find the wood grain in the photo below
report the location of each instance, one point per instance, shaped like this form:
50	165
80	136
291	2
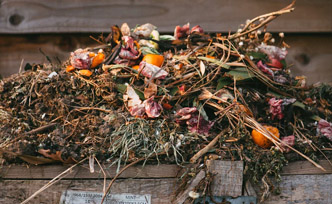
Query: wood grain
305	167
15	191
83	172
304	189
228	177
34	16
149	171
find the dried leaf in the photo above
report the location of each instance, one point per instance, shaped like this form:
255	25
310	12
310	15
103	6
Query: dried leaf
151	90
215	61
202	67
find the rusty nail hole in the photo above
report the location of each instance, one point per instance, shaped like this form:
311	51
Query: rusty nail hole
302	59
15	19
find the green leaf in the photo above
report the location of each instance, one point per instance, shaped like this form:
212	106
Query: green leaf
140	94
215	61
149	50
240	73
257	55
224	81
121	88
299	104
316	117
166	37
173	91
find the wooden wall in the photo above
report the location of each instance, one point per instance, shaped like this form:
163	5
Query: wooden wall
58	27
301	183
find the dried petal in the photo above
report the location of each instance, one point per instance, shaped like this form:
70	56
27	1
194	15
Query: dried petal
195	122
80	59
275	108
144	30
137	110
152	108
265	69
125	30
275	63
289	140
151	90
324	127
150	70
181	32
132	97
197	29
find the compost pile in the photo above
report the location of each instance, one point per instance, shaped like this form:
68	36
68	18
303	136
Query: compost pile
179	98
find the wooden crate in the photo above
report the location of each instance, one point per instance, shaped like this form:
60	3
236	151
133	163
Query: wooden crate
301	183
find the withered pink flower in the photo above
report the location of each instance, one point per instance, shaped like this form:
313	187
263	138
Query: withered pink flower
265	69
324	127
80	59
289	140
152	108
181	32
129	51
150	70
275	63
137	110
195	122
275	108
197	29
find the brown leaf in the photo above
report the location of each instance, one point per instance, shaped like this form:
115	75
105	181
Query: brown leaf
151	90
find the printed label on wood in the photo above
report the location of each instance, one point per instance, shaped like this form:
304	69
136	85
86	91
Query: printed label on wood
73	197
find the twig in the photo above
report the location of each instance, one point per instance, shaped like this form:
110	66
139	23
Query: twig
101	168
41	129
184	195
207	147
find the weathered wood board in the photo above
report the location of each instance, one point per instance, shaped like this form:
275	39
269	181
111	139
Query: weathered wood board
34	16
228	177
309	55
83	172
15	191
301	183
304	189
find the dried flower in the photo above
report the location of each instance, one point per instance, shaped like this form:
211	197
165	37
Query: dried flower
324	128
152	108
289	140
150	70
195	122
181	32
80	59
197	29
275	108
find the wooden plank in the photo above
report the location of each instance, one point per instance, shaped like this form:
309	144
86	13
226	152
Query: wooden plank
34	16
304	189
149	171
228	177
305	167
15	191
309	55
14	48
83	172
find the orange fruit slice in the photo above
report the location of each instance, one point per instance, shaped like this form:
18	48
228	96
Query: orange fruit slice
261	140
